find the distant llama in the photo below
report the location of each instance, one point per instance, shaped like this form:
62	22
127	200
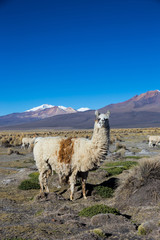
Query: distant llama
70	156
154	141
27	142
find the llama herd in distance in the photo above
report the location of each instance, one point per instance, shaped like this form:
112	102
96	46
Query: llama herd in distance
72	157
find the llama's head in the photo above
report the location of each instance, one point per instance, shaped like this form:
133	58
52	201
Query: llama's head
102	119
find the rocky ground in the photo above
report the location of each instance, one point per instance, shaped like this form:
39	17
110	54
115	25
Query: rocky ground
24	216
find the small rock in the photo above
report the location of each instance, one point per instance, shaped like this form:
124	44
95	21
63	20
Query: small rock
8	181
99	219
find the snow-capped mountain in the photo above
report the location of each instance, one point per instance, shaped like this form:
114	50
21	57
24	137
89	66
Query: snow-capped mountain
44	106
68	109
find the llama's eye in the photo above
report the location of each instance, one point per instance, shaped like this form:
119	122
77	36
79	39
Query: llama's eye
99	119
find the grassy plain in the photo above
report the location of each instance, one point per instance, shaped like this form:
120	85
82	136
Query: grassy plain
23	216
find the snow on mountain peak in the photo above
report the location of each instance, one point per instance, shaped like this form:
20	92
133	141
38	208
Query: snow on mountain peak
83	109
62	107
68	109
43	106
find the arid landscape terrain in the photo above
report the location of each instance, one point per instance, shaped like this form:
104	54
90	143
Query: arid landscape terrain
122	202
79	120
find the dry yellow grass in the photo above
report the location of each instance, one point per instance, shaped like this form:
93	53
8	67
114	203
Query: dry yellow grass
14	138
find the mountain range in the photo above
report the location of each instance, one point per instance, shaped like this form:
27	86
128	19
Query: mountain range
36	113
140	111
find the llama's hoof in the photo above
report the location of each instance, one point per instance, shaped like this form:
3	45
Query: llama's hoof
71	198
85	197
42	196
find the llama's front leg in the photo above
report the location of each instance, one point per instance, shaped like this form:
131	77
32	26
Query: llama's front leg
72	181
84	188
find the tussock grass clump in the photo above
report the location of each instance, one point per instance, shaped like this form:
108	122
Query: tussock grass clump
32	183
10	151
141	186
97	209
5	142
118	138
112	140
121	152
104	192
119	146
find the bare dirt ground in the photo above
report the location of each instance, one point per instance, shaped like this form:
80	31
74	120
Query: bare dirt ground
23	216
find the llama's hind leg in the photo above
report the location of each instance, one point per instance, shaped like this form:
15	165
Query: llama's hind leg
43	180
41	183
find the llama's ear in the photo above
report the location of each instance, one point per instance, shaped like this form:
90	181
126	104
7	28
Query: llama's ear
107	114
97	113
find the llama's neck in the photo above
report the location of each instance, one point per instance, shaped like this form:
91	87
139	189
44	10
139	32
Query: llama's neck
97	149
100	138
100	144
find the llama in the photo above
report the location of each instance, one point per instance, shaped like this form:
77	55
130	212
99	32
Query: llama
27	142
154	141
70	157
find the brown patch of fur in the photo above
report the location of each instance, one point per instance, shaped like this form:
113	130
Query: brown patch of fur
66	150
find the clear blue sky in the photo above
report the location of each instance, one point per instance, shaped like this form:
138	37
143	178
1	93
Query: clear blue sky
78	53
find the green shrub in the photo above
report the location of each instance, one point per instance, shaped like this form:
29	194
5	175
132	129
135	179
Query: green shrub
97	209
99	232
104	192
121	163
28	184
115	168
32	183
142	230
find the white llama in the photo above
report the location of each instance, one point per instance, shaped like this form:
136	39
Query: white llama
71	156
